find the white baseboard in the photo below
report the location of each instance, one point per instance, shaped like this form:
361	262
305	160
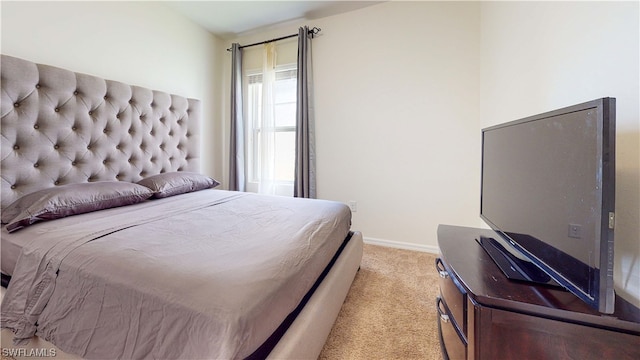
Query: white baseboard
402	245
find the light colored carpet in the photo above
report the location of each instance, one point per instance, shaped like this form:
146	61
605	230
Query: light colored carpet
390	310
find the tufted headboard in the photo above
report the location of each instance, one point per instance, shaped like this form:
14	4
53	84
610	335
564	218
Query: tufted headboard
60	127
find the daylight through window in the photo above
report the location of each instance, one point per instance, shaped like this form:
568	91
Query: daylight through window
285	127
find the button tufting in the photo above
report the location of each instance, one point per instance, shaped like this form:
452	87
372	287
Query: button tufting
125	142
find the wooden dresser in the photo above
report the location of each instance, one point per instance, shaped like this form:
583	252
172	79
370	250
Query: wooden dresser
483	315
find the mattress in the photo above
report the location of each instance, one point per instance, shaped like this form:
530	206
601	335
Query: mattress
10	247
209	274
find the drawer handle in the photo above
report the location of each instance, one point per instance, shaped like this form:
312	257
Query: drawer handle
440	268
443	316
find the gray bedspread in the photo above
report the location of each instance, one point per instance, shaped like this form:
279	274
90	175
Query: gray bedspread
208	275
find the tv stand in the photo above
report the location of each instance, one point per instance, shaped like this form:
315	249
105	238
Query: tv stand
484	315
513	266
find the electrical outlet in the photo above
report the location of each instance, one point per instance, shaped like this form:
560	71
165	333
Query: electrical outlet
575	231
353	205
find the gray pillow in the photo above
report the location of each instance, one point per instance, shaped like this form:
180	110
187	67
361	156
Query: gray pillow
65	200
175	183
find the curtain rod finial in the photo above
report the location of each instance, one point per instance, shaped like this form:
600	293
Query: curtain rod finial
314	31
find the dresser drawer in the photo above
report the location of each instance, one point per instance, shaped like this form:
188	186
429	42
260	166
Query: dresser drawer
453	345
454	296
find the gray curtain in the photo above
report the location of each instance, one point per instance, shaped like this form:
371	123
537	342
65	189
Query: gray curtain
305	169
236	147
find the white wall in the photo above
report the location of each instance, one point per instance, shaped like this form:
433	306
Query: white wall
540	56
139	43
396	96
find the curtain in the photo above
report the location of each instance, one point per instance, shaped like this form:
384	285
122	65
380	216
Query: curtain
305	168
236	146
267	137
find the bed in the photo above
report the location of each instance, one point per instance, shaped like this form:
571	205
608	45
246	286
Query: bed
115	246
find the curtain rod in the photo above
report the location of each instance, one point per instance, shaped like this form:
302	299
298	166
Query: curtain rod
313	31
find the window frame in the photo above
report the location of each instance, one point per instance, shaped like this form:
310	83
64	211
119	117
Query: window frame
283	187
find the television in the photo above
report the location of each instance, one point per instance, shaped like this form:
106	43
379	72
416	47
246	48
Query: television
548	192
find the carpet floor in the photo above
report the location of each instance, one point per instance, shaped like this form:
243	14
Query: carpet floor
390	310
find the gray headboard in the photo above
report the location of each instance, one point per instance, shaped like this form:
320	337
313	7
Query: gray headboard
61	127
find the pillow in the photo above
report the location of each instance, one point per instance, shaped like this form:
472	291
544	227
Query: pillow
60	201
175	183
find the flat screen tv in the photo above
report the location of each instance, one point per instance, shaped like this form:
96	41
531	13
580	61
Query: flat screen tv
548	192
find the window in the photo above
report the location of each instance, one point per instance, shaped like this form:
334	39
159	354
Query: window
285	128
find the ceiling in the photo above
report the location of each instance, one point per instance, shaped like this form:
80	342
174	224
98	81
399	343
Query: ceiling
228	19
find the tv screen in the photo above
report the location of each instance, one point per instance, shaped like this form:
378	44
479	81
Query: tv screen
548	189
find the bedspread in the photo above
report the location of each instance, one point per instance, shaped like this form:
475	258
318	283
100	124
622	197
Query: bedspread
209	274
